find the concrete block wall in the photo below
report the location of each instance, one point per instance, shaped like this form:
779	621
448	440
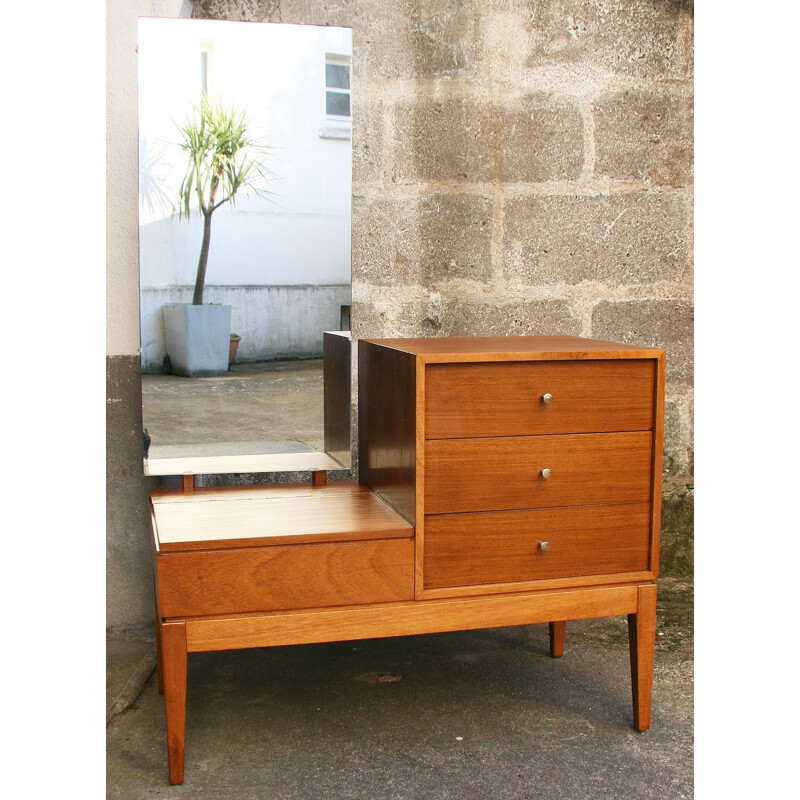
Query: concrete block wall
519	167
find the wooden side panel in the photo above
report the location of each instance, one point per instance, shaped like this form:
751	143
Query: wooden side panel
419	489
505	398
251	579
387	425
336	395
658	462
503	546
506	473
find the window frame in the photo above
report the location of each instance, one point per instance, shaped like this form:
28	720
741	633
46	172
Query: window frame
339	60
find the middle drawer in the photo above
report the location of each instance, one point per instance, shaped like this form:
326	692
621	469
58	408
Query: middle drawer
493	474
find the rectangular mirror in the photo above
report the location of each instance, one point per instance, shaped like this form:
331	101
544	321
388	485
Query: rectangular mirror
244	242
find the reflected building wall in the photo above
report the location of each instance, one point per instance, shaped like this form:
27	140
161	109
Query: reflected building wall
282	261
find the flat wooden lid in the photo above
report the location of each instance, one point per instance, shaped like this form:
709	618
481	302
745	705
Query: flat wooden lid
249	516
460	348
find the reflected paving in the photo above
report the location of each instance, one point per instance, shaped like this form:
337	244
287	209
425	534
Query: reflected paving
264	407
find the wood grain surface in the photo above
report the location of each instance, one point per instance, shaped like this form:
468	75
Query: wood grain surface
506	472
387	425
657	468
518	348
557	632
406	619
251	579
505	398
174	655
272	515
642	633
503	546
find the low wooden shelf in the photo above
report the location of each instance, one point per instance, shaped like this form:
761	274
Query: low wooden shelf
454	524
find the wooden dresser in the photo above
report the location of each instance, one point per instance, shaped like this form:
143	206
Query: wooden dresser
523	463
503	481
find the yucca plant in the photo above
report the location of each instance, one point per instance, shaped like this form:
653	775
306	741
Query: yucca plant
223	159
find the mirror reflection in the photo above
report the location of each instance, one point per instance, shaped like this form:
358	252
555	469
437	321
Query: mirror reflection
244	231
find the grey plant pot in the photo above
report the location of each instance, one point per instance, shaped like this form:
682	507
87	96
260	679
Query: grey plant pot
197	339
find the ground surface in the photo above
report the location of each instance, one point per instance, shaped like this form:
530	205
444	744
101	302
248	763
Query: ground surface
481	714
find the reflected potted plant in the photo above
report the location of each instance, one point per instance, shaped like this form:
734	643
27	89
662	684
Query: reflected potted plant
234	346
223	159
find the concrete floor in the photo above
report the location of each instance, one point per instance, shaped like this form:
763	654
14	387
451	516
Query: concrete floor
266	407
481	714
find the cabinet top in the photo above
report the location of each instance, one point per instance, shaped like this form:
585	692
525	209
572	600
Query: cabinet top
526	347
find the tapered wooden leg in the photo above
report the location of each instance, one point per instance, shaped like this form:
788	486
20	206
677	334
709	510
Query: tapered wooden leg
557	634
159	652
642	640
173	638
319	477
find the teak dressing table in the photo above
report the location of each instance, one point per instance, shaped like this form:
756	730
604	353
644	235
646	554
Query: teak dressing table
502	481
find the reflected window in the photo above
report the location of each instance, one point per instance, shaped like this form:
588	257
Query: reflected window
206	67
204	71
337	87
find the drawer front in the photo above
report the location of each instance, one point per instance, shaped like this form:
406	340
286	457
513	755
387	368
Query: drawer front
285	577
501	547
507	473
505	398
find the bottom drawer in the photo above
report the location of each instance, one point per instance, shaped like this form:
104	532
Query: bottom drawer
239	580
503	546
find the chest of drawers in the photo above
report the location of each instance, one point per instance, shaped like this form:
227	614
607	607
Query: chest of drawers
524	463
502	481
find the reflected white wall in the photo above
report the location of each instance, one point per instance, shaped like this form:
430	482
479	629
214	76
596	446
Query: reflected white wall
301	235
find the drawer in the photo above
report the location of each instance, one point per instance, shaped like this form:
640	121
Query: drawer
501	547
506	473
240	580
505	398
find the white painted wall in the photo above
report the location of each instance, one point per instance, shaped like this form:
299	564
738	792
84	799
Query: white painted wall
258	315
301	235
122	247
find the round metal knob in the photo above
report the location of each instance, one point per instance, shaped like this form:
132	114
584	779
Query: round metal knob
545	473
544	546
547	398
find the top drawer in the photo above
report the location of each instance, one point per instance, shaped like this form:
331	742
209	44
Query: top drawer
505	398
